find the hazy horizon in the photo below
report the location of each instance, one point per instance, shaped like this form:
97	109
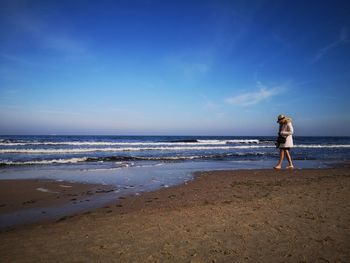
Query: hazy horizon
158	135
211	68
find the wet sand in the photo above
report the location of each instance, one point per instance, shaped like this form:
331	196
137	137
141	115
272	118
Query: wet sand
28	201
221	216
16	195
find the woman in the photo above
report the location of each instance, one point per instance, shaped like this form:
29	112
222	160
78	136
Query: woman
285	141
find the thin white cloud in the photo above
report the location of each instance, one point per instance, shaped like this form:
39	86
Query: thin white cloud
49	36
64	44
211	105
343	38
208	104
16	59
192	69
191	65
251	98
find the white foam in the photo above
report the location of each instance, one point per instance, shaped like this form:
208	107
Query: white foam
46	190
228	141
65	186
124	164
71	160
322	146
102	169
88	143
125	149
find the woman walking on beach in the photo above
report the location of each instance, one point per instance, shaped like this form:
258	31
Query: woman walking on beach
285	140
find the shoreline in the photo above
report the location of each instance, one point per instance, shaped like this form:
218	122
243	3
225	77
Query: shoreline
244	215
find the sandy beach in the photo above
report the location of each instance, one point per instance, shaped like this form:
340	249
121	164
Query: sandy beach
220	216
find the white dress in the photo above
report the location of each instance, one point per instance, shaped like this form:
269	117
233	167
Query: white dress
287	132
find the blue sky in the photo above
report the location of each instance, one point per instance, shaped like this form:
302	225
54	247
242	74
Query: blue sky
174	67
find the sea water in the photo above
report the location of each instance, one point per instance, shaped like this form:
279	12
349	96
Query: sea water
153	161
134	164
126	150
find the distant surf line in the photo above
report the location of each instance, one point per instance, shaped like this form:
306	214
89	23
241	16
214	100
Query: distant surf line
128	149
176	148
106	143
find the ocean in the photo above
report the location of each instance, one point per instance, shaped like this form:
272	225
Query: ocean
129	151
136	164
171	159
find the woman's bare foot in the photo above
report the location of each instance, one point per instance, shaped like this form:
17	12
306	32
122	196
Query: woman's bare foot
277	167
290	167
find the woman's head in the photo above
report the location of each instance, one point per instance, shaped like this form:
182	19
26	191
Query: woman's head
281	119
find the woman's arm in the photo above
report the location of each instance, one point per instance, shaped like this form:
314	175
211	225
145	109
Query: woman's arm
289	130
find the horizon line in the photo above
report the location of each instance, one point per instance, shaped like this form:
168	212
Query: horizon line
124	135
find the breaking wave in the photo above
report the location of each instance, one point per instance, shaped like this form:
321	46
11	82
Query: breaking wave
105	143
53	161
123	159
165	148
129	149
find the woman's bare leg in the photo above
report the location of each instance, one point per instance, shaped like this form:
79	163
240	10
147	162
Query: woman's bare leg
289	158
279	165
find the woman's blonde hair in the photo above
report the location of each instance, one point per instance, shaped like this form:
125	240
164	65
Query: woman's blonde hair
286	120
283	119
